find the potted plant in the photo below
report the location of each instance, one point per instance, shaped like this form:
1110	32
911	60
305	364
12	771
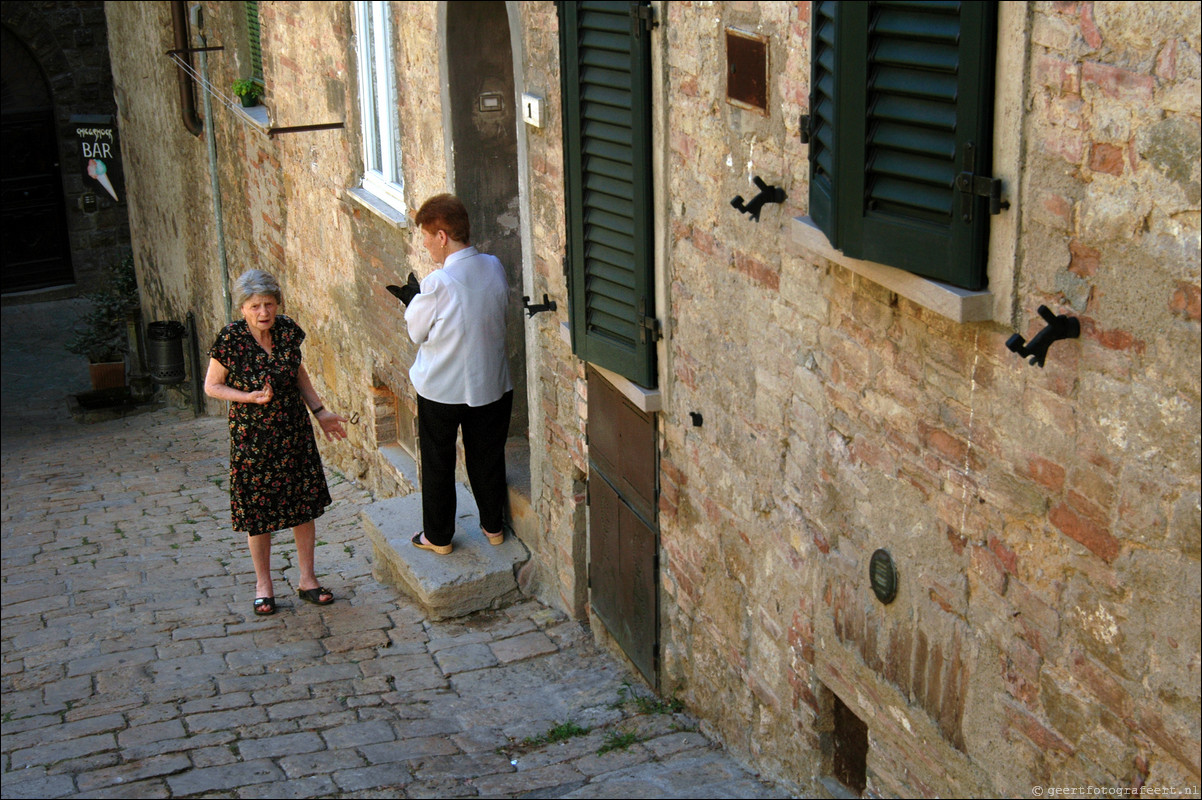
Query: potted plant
249	91
102	334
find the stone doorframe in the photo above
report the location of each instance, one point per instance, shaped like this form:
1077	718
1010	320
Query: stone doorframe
524	463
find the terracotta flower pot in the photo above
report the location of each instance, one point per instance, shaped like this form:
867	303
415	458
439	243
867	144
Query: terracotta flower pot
109	375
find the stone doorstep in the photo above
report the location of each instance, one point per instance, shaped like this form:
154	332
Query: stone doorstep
475	576
517	474
522	520
117	410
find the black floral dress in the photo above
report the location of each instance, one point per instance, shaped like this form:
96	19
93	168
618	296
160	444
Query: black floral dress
276	478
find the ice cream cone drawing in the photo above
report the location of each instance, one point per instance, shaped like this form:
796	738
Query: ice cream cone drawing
97	170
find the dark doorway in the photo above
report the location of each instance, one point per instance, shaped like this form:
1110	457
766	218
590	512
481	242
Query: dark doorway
484	133
35	250
850	756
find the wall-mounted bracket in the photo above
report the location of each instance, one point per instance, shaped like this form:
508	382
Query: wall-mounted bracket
768	194
546	305
648	324
324	126
642	18
972	186
181	50
1058	327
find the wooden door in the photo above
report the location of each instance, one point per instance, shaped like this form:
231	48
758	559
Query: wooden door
623	527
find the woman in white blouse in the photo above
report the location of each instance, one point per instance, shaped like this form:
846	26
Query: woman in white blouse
461	374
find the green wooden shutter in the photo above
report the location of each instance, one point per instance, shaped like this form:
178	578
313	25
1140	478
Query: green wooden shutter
823	102
606	99
252	36
914	96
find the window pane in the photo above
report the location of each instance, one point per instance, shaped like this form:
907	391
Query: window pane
377	98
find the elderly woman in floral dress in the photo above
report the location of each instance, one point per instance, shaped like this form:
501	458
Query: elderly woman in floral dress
276	477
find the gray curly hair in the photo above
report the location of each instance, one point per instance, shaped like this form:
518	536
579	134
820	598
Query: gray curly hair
253	282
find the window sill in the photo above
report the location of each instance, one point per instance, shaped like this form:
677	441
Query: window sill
649	401
378	207
958	305
255	115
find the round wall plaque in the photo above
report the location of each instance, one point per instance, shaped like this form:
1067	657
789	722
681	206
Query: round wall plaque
882	574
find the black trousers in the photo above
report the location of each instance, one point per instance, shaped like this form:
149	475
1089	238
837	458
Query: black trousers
485	429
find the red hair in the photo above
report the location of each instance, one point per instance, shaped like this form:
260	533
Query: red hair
445	212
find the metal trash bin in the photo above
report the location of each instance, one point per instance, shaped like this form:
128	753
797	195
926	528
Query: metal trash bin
166	351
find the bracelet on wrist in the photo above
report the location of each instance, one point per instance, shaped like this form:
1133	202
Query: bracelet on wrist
318	410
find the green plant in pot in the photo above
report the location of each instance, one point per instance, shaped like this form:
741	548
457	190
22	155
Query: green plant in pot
102	334
249	91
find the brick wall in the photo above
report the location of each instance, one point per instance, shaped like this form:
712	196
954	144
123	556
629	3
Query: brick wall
1038	517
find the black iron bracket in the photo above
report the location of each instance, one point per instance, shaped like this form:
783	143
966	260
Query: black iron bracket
642	18
182	50
1058	327
768	194
972	186
546	305
648	325
271	132
325	126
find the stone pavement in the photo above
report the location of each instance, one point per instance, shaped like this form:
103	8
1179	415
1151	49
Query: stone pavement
133	666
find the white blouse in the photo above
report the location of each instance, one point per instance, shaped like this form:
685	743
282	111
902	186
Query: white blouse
458	323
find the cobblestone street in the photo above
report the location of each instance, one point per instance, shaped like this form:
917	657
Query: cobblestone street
133	666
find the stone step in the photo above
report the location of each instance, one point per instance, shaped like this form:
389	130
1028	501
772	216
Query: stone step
517	474
475	576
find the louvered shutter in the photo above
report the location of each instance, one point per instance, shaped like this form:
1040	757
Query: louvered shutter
913	96
252	37
823	103
606	98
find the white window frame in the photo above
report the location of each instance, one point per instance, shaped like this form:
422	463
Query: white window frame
382	176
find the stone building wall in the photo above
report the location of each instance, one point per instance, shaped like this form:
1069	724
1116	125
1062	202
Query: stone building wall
166	173
558	454
1037	516
1045	522
285	206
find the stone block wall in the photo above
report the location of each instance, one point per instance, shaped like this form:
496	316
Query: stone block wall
1037	516
285	203
559	464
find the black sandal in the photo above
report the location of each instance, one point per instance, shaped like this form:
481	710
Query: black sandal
314	596
264	606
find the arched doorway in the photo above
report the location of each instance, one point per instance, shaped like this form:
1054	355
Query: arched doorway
36	250
485	158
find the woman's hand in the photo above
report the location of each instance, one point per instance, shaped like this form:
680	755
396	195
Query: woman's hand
215	387
262	396
331	424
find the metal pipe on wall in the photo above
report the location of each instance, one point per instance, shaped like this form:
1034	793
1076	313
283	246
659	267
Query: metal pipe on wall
187	96
197	14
